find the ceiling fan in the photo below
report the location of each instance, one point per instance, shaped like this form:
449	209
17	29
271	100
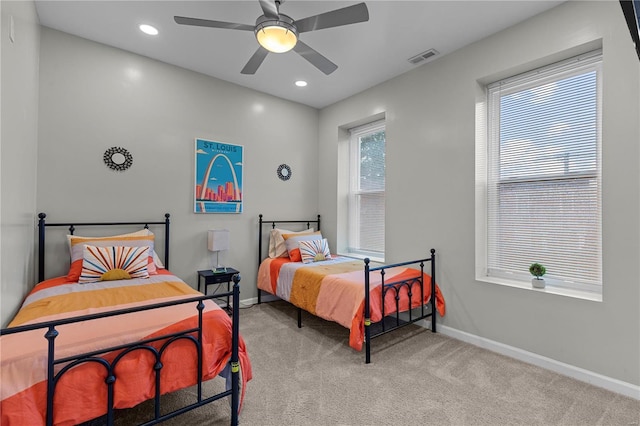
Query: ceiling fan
278	33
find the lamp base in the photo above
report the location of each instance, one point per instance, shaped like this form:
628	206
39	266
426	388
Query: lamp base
219	269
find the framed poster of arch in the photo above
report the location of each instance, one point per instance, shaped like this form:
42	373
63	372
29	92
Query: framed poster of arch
218	177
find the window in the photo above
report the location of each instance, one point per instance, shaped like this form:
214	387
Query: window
543	178
366	190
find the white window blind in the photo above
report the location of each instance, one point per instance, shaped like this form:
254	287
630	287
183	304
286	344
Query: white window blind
544	179
367	190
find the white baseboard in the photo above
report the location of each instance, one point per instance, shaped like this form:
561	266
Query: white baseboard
266	297
596	379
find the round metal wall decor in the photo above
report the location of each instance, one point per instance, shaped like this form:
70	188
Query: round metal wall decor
284	172
118	159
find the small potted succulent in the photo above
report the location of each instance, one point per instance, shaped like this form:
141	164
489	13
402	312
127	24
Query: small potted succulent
537	270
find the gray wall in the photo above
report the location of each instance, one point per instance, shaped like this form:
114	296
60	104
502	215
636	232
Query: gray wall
93	97
18	153
431	187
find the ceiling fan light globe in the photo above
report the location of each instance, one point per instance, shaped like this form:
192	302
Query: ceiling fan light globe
276	35
276	39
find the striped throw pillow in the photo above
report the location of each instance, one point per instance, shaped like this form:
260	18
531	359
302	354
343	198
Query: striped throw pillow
113	263
314	250
134	239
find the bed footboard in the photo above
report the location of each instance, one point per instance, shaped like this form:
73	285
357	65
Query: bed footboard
393	289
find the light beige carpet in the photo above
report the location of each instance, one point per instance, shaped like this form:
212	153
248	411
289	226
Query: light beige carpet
310	376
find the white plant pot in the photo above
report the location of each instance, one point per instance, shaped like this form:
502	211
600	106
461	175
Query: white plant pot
537	282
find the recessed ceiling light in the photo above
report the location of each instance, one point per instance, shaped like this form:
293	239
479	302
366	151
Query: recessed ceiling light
148	29
301	83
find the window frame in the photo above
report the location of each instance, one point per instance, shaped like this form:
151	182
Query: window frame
354	191
488	140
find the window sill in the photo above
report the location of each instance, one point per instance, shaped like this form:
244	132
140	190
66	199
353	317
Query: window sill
558	291
362	257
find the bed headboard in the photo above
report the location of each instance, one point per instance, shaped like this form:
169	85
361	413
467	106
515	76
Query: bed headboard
272	224
42	225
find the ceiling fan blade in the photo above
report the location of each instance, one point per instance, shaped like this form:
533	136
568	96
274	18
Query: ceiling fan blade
335	18
269	8
182	20
255	61
316	59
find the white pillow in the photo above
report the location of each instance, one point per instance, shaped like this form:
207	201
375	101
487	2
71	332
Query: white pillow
291	241
142	232
277	247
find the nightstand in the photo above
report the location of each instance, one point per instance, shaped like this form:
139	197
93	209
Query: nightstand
217	279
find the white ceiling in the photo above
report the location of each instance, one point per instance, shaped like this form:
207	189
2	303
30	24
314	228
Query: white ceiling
366	53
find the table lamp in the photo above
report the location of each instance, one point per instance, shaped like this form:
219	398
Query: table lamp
218	240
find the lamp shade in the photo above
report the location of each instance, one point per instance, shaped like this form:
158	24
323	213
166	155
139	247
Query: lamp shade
218	239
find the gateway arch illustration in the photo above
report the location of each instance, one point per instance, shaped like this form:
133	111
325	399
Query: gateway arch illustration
218	177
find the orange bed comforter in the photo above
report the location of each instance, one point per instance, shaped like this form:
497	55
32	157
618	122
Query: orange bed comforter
334	290
81	392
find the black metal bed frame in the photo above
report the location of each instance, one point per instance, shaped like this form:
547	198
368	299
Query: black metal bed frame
193	335
388	323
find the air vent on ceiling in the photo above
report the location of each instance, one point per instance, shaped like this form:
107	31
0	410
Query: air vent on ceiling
423	56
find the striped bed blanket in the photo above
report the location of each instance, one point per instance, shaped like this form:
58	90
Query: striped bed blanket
334	290
81	392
